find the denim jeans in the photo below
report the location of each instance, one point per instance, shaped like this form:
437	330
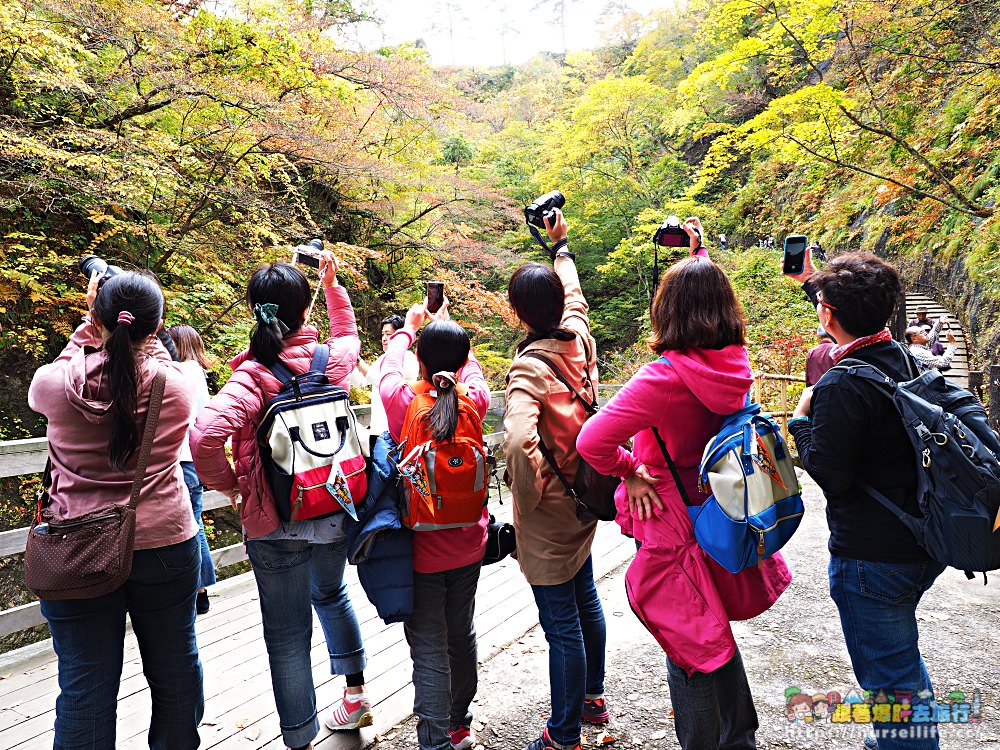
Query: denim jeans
878	604
197	491
88	636
290	575
442	638
573	620
713	711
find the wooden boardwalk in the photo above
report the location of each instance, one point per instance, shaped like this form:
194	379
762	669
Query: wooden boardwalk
239	707
959	370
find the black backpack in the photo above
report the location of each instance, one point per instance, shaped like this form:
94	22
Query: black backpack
958	472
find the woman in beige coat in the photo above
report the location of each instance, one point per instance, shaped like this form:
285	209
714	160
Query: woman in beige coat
553	546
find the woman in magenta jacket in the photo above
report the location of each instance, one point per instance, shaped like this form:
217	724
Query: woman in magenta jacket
295	563
682	596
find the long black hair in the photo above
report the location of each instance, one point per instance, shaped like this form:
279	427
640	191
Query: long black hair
130	307
536	293
282	285
443	347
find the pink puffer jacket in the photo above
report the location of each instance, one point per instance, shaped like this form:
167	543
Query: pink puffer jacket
235	412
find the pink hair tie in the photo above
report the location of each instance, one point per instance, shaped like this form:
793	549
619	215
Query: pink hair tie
125	318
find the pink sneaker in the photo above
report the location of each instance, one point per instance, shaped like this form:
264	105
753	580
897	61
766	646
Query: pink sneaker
353	712
595	711
462	738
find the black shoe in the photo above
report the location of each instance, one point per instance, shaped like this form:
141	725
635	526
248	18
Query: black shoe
201	604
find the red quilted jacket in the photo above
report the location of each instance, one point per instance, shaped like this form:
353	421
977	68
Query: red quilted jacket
237	408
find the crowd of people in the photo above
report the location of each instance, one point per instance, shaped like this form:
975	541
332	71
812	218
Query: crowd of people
97	394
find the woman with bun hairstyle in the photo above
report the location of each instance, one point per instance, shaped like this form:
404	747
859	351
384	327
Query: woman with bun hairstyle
298	565
194	362
95	397
553	545
683	597
446	562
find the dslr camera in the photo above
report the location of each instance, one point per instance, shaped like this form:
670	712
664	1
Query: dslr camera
308	254
542	208
671	234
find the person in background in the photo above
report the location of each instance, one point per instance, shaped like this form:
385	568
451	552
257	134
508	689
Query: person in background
371	374
928	326
96	396
298	565
446	562
848	433
723	242
553	546
683	597
194	362
921	346
818	359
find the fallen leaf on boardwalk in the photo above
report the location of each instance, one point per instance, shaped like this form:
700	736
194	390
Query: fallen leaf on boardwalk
207	724
252	733
241	724
605	739
5	676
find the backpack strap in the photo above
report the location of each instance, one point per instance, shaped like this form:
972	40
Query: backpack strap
320	358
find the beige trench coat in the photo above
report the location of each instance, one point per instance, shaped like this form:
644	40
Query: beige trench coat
552	544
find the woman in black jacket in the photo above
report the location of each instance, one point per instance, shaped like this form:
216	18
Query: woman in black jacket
848	432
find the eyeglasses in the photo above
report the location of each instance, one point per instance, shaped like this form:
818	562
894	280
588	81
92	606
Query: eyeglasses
824	303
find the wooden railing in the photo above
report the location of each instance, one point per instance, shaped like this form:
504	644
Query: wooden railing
786	408
986	385
18	457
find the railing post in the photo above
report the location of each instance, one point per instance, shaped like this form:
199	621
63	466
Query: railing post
784	409
994	372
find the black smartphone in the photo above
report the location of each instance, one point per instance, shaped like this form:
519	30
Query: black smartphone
795	254
435	296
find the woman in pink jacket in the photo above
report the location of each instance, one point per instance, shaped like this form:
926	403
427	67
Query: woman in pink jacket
682	596
95	397
446	562
295	563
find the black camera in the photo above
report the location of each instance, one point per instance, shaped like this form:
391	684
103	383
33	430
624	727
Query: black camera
91	263
671	234
543	207
309	253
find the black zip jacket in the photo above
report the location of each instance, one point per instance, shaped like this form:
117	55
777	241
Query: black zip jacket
855	433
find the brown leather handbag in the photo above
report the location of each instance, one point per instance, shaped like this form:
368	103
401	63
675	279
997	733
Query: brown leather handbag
89	555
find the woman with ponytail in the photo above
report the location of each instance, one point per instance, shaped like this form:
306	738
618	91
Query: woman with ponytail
553	545
446	562
298	565
96	396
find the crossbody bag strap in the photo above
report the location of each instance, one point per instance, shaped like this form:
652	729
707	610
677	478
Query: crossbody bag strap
673	467
152	417
589	405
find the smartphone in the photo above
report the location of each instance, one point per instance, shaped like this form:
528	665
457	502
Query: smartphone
435	296
795	253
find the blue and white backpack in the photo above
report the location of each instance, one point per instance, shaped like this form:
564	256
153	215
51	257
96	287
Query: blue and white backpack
756	500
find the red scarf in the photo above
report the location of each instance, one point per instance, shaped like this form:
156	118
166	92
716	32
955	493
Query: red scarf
839	352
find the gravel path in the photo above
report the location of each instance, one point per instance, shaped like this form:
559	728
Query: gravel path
797	643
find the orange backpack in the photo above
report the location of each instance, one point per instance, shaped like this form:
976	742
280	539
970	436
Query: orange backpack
446	482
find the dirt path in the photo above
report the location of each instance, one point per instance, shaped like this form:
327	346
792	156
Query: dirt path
797	643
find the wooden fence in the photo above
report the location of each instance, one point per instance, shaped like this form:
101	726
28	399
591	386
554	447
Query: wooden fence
986	385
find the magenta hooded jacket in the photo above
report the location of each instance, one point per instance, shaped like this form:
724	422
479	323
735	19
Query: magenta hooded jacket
236	410
683	597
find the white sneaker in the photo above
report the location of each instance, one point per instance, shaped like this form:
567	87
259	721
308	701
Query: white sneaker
353	712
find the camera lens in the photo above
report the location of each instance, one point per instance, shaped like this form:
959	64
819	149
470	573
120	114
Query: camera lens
318	244
91	263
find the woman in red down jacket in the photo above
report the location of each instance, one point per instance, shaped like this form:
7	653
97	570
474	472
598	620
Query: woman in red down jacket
295	563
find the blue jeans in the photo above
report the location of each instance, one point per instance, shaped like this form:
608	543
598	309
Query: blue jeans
292	574
442	639
878	603
197	491
88	636
573	620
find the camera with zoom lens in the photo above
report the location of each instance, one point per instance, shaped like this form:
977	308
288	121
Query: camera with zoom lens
91	263
671	234
309	253
543	208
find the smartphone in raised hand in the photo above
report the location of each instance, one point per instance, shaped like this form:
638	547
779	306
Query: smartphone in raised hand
435	296
795	254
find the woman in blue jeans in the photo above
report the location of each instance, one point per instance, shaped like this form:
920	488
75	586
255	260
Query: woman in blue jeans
96	396
848	433
298	565
195	362
553	545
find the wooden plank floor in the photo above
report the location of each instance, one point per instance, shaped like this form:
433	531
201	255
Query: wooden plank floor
239	707
959	370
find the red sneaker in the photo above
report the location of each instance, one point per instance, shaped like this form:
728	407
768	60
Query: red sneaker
462	738
595	711
547	743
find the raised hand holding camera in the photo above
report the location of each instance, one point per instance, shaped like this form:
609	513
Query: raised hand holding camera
544	213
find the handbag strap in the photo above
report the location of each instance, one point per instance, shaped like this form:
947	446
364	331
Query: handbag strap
673	468
152	417
590	405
